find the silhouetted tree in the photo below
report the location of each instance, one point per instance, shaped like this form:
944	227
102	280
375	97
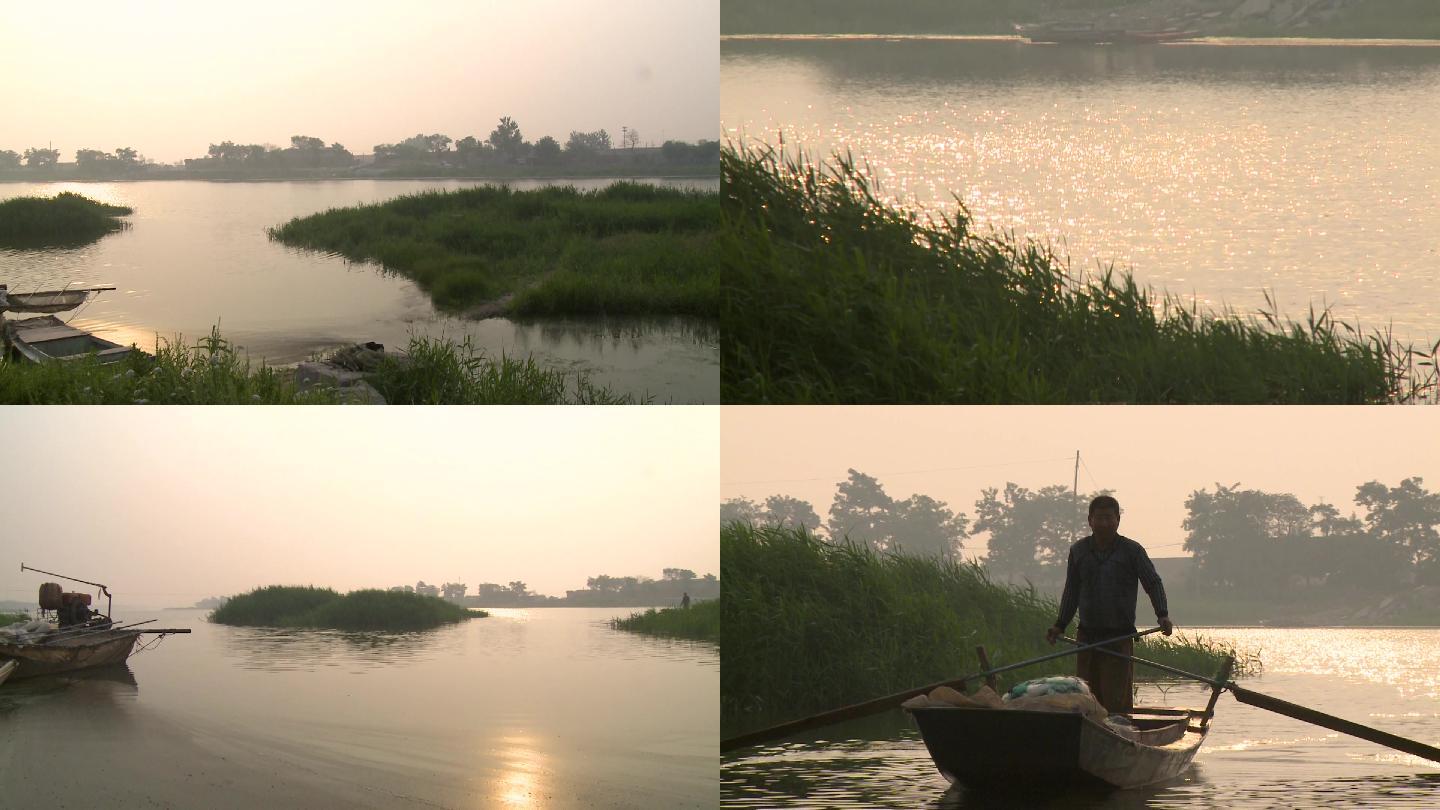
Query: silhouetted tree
925	526
506	138
37	158
9	159
1239	536
547	150
860	511
677	574
587	143
1030	531
742	510
1406	517
783	510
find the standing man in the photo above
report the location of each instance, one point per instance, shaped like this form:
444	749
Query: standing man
1100	580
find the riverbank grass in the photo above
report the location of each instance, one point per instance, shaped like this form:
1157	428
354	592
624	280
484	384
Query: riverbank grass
65	220
831	295
811	626
292	606
699	621
214	372
627	249
11	618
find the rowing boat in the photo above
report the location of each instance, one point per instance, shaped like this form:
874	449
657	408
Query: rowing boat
987	748
46	301
47	338
66	653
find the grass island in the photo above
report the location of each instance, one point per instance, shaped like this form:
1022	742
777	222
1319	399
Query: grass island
308	606
700	621
65	220
627	249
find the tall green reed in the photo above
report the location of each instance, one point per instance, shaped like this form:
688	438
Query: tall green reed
831	294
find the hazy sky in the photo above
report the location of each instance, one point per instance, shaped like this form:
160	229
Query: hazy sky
1152	457
169	78
170	505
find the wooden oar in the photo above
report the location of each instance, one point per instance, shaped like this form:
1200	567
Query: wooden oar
1298	712
891	701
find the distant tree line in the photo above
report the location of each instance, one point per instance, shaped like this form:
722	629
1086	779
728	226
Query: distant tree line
505	148
600	590
1242	541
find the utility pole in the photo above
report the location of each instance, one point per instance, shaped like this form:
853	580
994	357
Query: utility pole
1075	492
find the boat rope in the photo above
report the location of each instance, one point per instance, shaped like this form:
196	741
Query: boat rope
147	645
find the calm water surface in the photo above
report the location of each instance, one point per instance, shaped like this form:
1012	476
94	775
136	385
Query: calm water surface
197	255
1385	678
527	708
1216	171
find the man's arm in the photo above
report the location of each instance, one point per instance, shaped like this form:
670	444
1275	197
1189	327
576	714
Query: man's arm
1069	600
1155	589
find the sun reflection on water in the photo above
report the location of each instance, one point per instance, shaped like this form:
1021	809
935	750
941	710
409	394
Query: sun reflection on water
518	778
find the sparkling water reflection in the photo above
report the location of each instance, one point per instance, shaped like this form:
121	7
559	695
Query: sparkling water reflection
1212	170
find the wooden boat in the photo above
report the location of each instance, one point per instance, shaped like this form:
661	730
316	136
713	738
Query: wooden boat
988	748
47	338
6	668
46	301
1088	34
82	650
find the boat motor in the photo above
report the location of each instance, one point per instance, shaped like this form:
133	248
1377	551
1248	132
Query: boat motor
70	608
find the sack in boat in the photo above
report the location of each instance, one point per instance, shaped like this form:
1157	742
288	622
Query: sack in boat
946	697
1054	685
1073	702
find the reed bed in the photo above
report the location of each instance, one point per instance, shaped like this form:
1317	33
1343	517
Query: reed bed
699	621
65	220
832	295
811	625
214	372
295	606
627	249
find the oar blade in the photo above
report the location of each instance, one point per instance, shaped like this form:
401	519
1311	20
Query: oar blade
1330	721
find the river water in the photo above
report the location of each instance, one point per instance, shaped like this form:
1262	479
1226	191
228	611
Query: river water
1216	171
1387	678
198	255
526	708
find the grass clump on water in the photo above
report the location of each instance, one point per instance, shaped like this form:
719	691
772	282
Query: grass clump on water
65	220
831	295
699	621
627	249
11	618
294	606
811	626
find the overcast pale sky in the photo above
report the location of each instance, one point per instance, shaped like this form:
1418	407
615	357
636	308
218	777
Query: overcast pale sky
171	77
1152	457
170	505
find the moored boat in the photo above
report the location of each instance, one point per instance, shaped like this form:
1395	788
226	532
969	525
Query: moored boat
68	635
46	339
46	301
987	748
91	648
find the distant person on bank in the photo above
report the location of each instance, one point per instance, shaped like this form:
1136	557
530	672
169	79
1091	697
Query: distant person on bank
685	600
1100	580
